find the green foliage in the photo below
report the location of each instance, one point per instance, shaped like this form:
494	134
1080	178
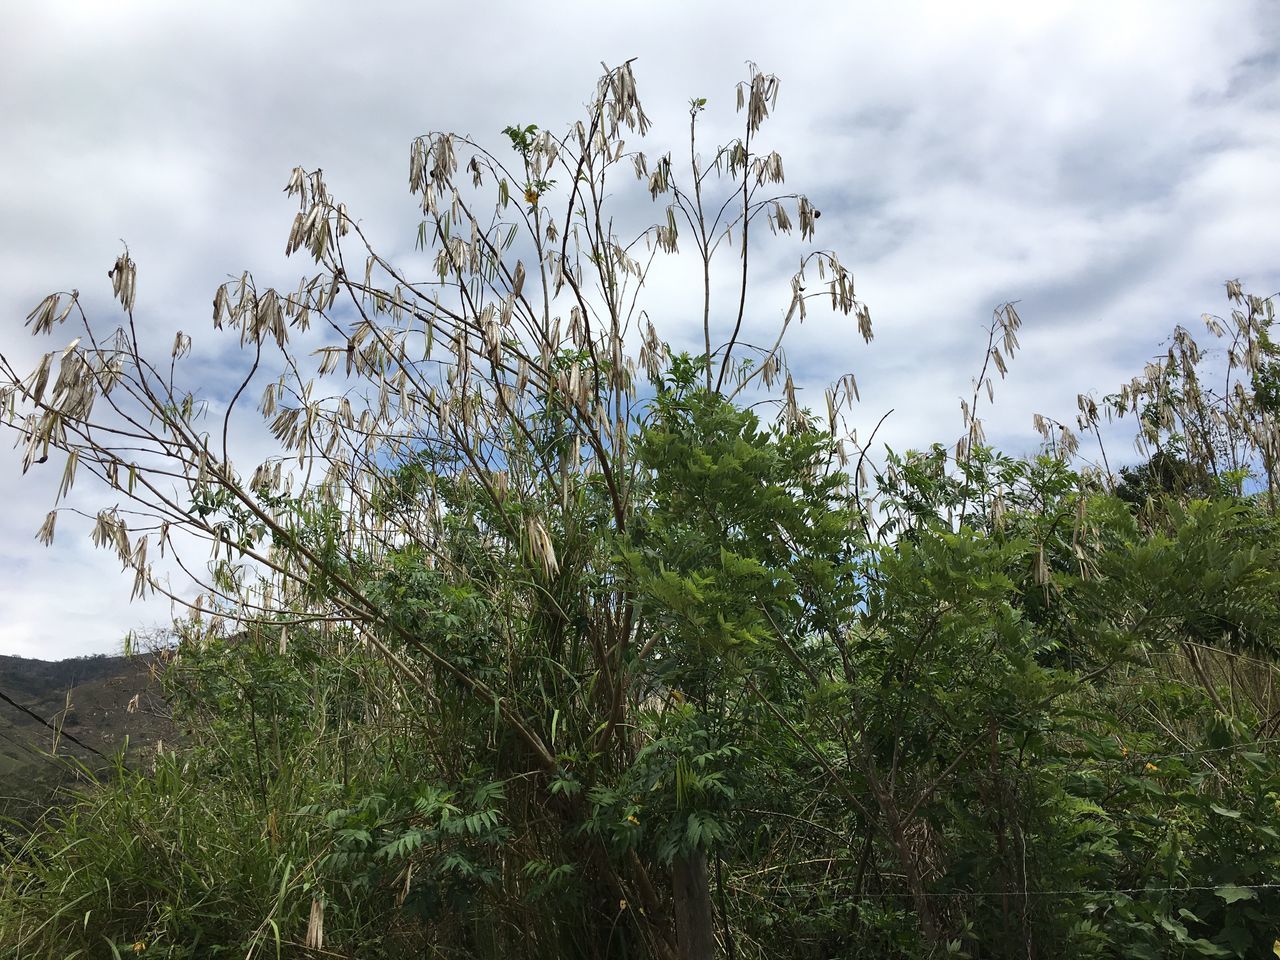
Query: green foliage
1028	728
170	858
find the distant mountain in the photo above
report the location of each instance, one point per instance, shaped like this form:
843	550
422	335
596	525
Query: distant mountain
58	715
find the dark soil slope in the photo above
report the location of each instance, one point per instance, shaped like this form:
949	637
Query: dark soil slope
57	716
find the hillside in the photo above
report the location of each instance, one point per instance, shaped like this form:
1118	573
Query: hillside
58	715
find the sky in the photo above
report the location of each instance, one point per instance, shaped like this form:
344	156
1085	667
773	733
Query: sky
1108	166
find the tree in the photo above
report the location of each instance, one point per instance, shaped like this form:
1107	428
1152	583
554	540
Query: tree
457	500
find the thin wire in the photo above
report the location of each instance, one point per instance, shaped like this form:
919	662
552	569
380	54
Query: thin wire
56	729
1091	893
1135	754
1055	893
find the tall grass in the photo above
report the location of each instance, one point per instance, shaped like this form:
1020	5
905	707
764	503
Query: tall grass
157	863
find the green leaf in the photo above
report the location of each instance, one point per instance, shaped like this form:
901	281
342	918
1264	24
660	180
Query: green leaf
1231	893
1208	949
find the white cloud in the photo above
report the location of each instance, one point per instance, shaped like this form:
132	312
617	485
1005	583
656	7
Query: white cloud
1107	165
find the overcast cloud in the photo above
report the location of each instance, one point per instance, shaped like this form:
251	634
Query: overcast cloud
1107	165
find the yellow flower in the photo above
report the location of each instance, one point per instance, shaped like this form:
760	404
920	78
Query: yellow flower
622	904
530	195
1151	767
632	819
139	946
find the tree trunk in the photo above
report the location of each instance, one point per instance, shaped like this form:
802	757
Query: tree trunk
695	930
